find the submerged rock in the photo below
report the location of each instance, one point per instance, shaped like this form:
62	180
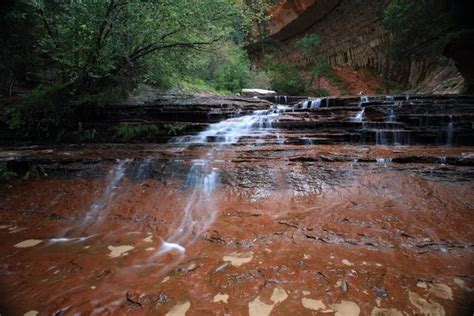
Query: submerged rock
180	309
431	308
238	259
28	243
346	308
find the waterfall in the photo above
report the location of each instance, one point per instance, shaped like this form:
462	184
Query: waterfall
203	176
359	116
229	131
278	99
392	117
315	103
98	209
380	138
311	104
199	211
450	132
392	137
383	160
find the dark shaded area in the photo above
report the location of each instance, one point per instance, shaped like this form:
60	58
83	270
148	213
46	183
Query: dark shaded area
461	47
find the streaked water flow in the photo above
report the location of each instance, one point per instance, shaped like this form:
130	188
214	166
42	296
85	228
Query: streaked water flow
203	176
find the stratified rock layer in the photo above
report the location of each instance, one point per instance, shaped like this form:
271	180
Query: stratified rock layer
254	216
352	34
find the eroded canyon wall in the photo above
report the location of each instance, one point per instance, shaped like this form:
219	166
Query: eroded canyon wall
352	34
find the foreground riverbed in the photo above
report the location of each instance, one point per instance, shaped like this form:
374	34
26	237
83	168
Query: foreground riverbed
281	228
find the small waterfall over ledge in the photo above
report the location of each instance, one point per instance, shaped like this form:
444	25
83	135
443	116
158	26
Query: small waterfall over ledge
359	117
203	176
450	132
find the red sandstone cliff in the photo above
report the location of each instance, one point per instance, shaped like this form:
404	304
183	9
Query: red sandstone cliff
352	35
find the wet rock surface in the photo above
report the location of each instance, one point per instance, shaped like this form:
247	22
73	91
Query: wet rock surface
162	118
273	227
385	120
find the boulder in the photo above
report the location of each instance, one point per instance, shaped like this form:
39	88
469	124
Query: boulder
257	93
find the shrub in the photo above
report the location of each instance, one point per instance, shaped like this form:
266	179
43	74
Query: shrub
336	80
420	28
5	172
128	131
286	79
309	46
260	79
234	73
233	77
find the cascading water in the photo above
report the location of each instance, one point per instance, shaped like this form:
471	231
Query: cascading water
116	174
278	99
380	138
392	117
198	213
311	104
389	134
315	103
203	177
450	132
200	210
359	117
384	160
229	131
98	210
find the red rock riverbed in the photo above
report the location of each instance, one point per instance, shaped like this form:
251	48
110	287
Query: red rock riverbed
302	230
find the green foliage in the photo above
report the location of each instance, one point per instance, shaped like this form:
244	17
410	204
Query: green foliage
192	86
260	79
379	89
90	45
420	28
270	47
35	172
336	80
175	128
309	46
234	74
223	68
18	25
286	79
86	135
5	172
393	87
39	113
128	131
71	54
320	92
